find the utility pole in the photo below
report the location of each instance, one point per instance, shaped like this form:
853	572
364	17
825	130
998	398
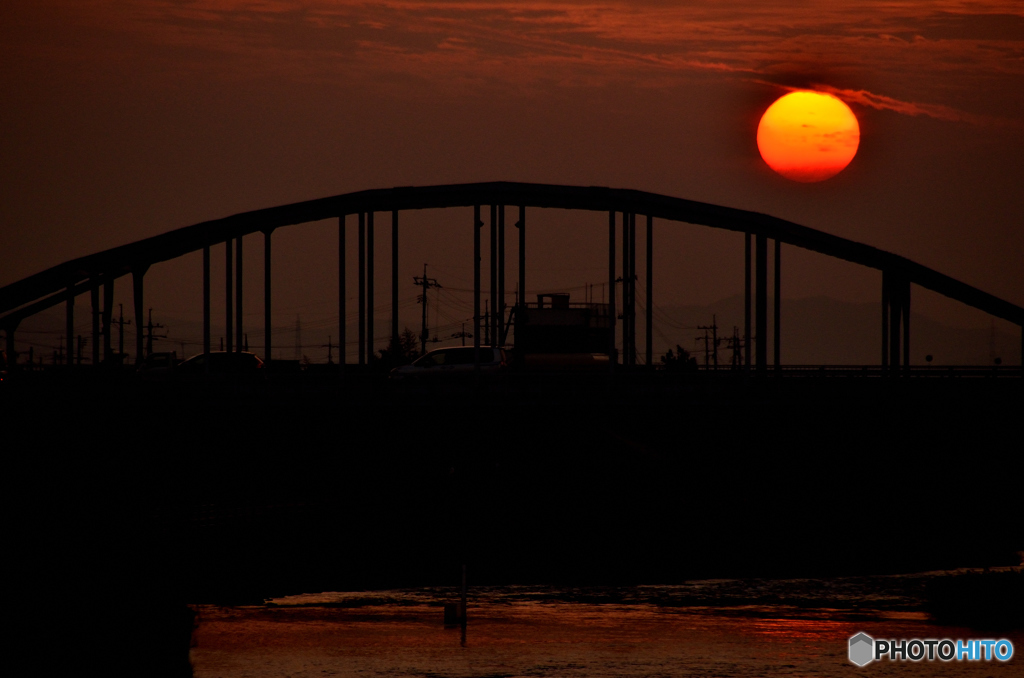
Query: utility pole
426	283
714	341
463	335
149	333
707	348
992	342
120	322
736	345
329	346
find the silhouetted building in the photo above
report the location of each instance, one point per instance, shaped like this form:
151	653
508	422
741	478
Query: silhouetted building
555	326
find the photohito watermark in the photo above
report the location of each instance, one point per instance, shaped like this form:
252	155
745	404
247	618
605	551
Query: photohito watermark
864	649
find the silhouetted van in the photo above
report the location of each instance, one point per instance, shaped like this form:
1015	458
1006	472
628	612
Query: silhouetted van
453	362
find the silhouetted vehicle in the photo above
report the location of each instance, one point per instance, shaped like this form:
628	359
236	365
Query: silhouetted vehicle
563	362
287	367
453	362
222	363
159	365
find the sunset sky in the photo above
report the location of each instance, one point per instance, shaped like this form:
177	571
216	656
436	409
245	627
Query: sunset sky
122	120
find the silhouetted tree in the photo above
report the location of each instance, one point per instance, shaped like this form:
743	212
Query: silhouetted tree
407	351
680	361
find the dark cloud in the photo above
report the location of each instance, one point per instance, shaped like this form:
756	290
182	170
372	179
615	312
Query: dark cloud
998	27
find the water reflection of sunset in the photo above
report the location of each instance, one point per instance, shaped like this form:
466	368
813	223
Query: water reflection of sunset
529	638
799	629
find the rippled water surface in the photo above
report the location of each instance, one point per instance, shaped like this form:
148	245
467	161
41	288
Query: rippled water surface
711	628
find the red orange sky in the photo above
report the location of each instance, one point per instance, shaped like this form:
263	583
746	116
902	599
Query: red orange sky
123	120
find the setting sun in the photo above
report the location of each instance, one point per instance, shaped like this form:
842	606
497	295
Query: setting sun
808	136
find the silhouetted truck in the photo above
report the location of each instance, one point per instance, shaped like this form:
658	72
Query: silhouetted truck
555	333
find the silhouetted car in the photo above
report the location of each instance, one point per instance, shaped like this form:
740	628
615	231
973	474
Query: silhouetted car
453	362
159	365
222	363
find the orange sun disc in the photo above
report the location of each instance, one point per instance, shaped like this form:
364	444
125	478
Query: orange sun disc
808	136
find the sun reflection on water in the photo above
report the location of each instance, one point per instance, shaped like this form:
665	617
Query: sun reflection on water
517	632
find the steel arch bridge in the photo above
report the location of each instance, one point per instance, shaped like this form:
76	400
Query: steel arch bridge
61	284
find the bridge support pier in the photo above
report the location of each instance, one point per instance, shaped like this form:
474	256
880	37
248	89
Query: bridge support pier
761	303
631	279
633	289
138	274
777	309
492	320
9	344
69	322
746	302
229	331
905	290
895	311
649	318
239	334
94	299
894	318
266	295
894	326
341	297
521	225
625	290
369	286
611	294
499	337
395	341
477	225
628	289
361	254
108	311
206	307
885	322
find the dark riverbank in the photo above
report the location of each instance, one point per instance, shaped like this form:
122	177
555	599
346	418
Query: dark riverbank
129	504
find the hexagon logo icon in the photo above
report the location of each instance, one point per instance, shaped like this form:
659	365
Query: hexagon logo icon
862	649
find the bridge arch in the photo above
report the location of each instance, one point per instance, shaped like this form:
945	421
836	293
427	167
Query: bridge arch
64	282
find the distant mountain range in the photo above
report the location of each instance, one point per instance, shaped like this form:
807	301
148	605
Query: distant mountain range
822	330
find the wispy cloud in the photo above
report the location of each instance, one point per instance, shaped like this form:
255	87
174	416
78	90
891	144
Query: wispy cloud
931	52
936	111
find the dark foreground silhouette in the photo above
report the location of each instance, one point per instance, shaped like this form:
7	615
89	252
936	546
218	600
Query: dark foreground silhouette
127	506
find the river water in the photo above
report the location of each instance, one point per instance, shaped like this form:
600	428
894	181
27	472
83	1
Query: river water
797	627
